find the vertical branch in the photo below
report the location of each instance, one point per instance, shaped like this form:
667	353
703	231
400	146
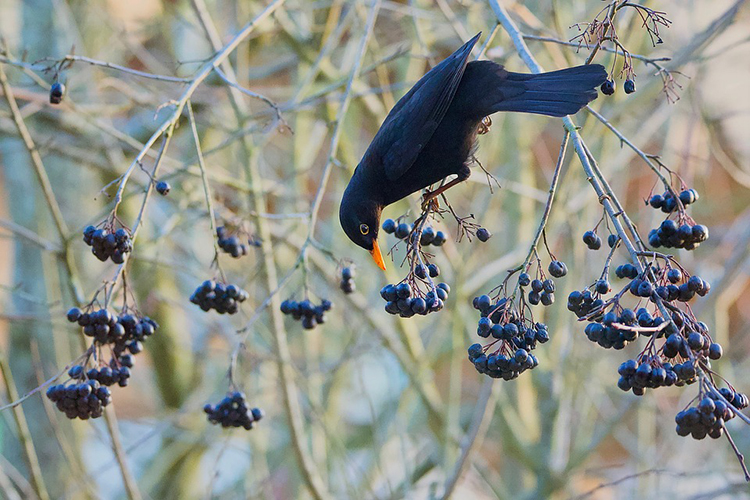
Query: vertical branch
49	195
206	187
24	435
131	486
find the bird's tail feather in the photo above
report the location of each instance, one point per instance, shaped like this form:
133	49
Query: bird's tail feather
557	93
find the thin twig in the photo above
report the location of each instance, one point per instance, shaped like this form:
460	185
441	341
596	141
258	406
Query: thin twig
69	59
206	189
131	485
252	94
483	412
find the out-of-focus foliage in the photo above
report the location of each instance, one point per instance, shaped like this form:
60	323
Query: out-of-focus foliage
386	405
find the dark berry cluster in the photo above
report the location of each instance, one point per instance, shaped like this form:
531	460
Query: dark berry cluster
88	394
614	326
407	300
232	244
108	376
483	234
672	284
542	290
347	280
653	372
403	229
584	302
232	411
512	338
310	314
84	400
668	203
683	233
708	416
106	244
225	299
670	235
56	93
124	332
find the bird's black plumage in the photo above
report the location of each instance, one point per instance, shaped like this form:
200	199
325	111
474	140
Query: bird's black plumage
430	132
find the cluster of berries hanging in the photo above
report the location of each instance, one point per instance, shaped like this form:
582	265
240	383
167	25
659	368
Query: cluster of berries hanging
307	312
108	244
680	233
83	400
543	288
406	300
513	335
679	349
347	280
667	202
123	332
708	416
231	243
402	230
87	393
232	411
225	299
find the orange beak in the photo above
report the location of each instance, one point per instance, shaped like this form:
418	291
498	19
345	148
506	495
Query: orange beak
377	256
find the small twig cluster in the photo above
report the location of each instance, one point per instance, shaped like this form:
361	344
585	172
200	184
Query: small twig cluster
602	30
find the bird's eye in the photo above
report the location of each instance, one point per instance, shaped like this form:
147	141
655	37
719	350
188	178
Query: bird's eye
364	229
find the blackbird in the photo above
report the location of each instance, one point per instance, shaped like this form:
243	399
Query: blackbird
431	131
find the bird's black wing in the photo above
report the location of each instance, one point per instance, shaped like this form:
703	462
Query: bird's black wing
414	118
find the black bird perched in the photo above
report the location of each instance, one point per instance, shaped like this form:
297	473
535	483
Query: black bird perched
430	132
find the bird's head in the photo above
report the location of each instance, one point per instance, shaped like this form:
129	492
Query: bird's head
360	219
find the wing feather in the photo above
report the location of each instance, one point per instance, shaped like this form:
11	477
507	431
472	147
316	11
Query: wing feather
414	119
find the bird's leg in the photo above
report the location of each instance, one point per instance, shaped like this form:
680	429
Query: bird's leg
429	196
484	125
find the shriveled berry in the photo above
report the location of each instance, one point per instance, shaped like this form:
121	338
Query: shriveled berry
163	187
56	93
483	234
433	270
608	87
629	86
557	269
